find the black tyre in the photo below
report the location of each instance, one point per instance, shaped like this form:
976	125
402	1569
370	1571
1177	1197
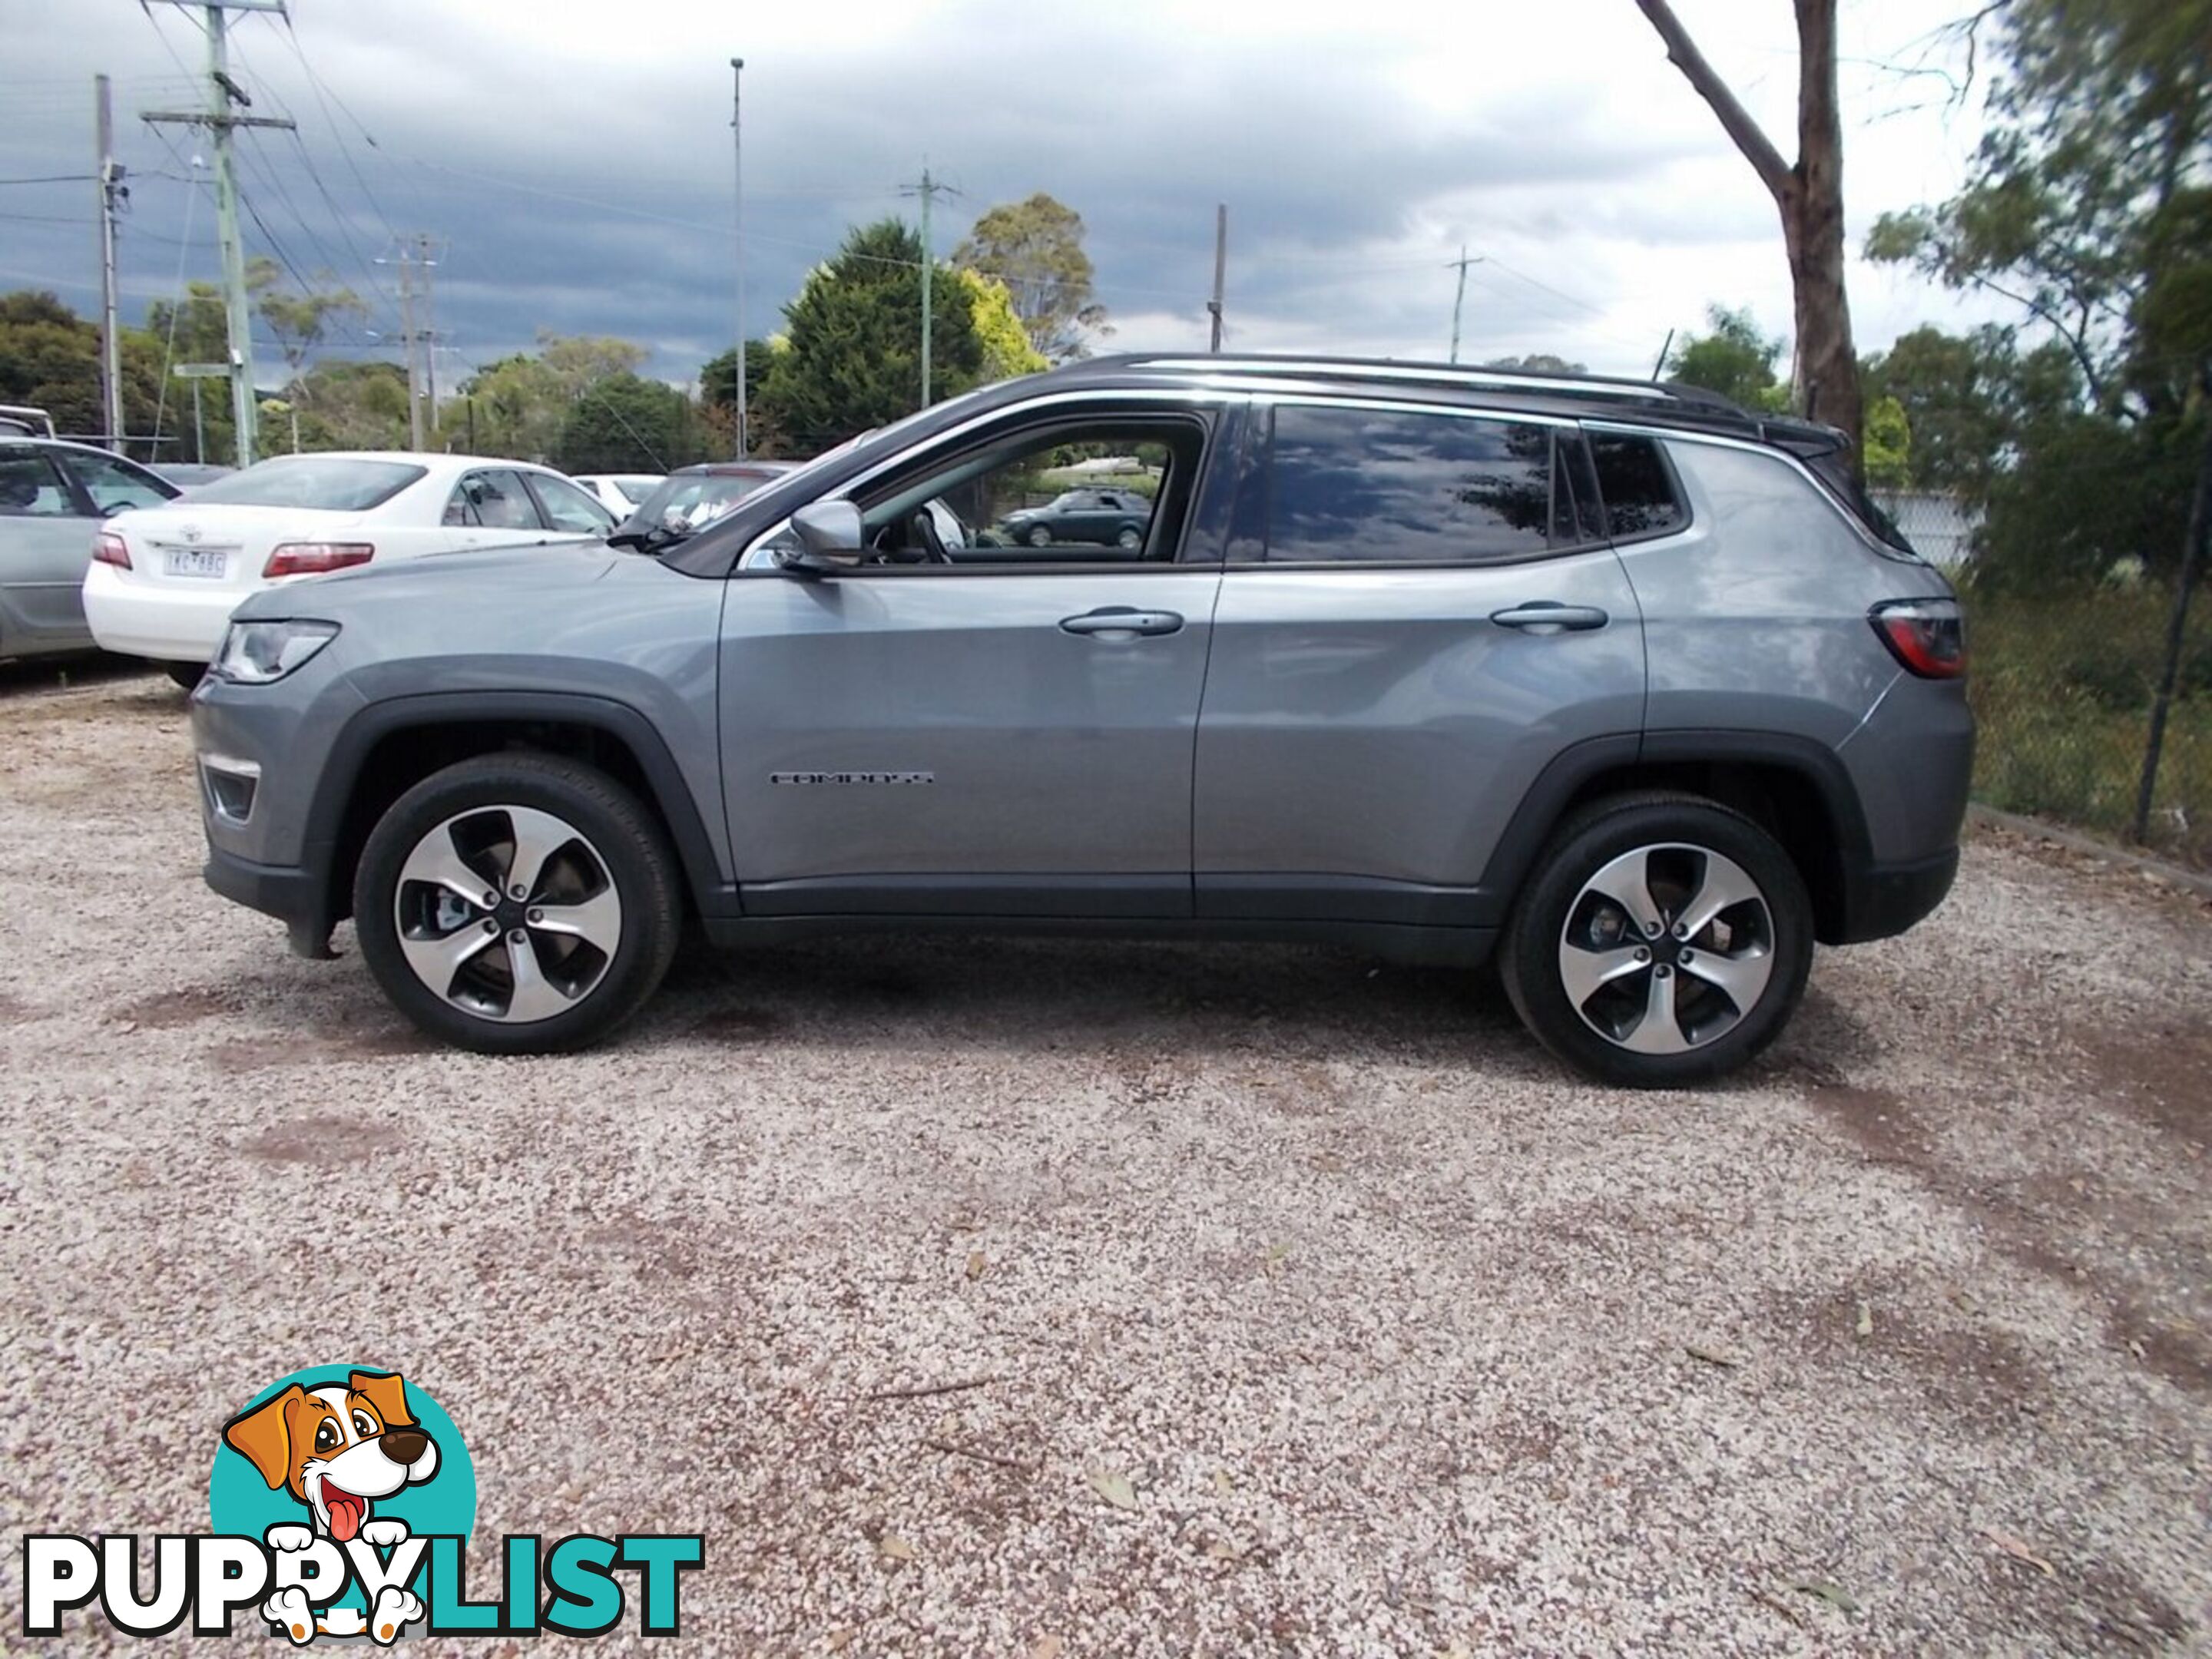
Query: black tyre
1130	537
517	904
187	674
1037	536
1665	941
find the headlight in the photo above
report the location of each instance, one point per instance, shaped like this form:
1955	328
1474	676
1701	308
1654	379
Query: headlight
256	653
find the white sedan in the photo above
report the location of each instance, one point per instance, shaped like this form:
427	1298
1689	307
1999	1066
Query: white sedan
164	580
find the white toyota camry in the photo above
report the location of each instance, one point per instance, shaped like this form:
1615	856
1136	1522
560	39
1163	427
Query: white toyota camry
163	580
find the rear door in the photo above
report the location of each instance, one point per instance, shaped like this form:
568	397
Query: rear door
1416	617
490	507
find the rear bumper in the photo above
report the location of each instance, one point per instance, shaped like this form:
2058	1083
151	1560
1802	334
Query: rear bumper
295	896
1883	900
169	624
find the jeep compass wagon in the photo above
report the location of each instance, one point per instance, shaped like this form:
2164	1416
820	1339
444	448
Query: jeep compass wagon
1613	682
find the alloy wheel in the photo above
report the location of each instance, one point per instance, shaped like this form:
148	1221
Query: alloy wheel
507	913
1667	948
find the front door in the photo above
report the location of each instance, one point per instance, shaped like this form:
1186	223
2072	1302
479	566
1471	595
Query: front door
956	730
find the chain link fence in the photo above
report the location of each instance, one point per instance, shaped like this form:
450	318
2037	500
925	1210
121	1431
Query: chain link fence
2063	687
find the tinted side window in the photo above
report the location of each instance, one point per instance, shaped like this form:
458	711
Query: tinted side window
1375	486
1637	487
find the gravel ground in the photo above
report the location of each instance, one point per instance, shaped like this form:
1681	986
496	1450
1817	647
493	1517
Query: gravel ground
1403	1341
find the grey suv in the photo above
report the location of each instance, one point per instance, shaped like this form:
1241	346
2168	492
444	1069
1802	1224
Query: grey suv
1612	682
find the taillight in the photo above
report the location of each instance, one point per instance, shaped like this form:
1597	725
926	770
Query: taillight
1929	637
108	547
313	558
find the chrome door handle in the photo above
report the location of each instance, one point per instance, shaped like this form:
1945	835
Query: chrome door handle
1121	622
1548	616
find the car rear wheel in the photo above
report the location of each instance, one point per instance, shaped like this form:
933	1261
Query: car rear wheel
1037	536
1130	537
187	674
1665	942
517	904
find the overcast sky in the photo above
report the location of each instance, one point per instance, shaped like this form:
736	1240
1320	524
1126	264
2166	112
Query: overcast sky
573	162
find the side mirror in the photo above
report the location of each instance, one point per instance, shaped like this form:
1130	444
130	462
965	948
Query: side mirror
829	539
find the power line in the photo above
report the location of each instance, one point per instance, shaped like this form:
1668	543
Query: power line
339	217
325	96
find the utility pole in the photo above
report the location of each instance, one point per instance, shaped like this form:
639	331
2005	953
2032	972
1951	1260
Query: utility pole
430	329
110	195
407	335
221	123
1459	299
928	190
1220	267
414	255
738	157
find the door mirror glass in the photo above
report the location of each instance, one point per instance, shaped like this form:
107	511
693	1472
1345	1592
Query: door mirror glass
829	535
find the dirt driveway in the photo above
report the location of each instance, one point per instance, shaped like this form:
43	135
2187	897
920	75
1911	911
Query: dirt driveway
1072	1299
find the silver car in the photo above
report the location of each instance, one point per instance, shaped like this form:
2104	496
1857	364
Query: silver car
1616	684
52	498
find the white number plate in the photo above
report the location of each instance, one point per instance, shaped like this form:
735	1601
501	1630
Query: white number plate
193	561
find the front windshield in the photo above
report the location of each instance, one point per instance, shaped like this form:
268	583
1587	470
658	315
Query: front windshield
330	483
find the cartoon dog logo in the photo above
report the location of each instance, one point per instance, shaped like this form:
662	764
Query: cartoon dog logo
338	1450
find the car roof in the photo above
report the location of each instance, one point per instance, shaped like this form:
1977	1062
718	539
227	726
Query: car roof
41	441
436	460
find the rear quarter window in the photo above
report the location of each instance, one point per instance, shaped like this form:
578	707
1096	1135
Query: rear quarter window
1637	486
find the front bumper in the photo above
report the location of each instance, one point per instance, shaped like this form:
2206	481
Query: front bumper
297	898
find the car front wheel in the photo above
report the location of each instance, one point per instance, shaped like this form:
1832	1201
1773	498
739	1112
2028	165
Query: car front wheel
517	904
1667	941
1037	536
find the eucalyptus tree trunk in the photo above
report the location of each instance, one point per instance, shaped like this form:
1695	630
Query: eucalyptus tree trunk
1808	195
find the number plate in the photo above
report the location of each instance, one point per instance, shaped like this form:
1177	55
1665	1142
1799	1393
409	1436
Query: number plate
194	562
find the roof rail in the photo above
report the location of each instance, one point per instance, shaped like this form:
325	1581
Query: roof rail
1570	383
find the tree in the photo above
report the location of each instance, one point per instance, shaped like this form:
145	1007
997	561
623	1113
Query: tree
1809	196
577	361
1888	444
624	423
1539	362
2085	206
1735	360
1971	402
1007	350
856	332
50	358
522	402
360	405
299	322
1035	248
2099	128
718	375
